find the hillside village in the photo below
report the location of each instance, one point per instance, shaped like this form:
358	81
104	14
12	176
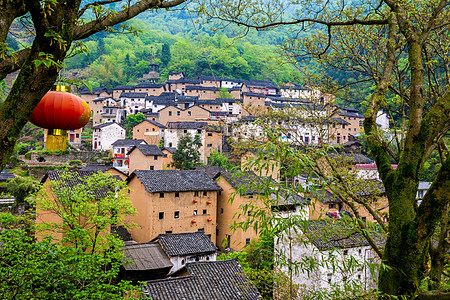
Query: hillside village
183	217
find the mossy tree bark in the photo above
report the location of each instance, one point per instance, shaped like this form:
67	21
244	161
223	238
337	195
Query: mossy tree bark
56	25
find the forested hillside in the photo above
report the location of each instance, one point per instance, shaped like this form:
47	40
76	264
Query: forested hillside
122	58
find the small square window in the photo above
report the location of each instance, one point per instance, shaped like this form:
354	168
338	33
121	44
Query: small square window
209	145
161	215
155	157
205	193
185	131
247	241
189	113
170	113
178	113
145	129
209	133
195	194
176	215
204	211
221	210
201	230
161	195
177	194
345	252
152	168
195	212
168	231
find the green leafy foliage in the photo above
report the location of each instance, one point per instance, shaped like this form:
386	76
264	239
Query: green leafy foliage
218	159
85	262
131	121
187	155
21	188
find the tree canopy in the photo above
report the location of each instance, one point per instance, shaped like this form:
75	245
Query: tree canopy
187	155
401	50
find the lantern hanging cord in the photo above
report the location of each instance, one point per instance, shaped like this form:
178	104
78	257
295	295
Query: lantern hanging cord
201	42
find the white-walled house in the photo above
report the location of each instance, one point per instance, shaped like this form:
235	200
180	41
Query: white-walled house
104	135
185	248
326	255
132	102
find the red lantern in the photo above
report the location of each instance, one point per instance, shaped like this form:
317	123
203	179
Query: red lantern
58	112
209	219
208	202
195	200
61	110
193	221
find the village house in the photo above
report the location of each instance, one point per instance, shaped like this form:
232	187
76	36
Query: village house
253	103
340	253
167	159
118	90
172	201
150	131
145	157
234	187
89	96
120	150
152	89
345	123
104	135
132	102
183	248
210	136
54	221
173	113
213	280
203	92
179	85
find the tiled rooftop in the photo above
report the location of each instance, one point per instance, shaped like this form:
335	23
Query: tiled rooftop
175	181
180	244
215	280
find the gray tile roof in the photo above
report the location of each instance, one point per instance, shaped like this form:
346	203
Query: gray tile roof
251	94
127	142
215	280
327	234
121	232
186	125
147	150
132	95
70	179
99	90
180	244
202	88
148	256
325	196
175	181
149	84
154	123
245	182
103	125
124	87
211	171
170	149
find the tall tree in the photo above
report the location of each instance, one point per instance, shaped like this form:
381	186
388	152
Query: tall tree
165	54
401	47
57	27
187	155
